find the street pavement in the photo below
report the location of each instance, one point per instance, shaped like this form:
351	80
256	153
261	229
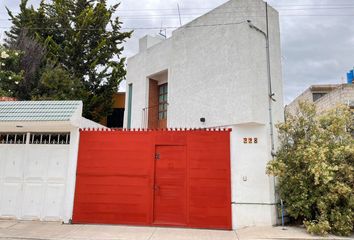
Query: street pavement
33	230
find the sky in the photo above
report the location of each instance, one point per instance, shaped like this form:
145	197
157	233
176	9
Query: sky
317	36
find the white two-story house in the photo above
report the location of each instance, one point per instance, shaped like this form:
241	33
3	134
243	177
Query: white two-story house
216	71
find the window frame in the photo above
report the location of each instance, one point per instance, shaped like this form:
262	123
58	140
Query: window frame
162	104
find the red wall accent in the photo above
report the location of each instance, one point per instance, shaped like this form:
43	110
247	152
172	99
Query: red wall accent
116	178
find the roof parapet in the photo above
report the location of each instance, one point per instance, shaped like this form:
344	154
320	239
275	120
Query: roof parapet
148	41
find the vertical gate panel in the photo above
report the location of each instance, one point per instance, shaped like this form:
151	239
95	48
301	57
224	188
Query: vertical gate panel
32	181
210	183
114	178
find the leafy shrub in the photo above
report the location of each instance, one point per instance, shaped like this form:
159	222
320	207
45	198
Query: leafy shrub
315	169
320	227
10	74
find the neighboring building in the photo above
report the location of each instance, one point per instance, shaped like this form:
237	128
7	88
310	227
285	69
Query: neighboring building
38	154
212	72
3	99
115	119
325	97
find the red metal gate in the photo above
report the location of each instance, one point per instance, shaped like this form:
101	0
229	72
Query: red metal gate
169	178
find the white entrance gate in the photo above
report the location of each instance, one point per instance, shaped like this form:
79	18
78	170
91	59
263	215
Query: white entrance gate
33	176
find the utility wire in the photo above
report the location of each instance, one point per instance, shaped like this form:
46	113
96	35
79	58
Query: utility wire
148	16
241	16
211	15
172	16
281	15
279	7
174	27
140	28
238	8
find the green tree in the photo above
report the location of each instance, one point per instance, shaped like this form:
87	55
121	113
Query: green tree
82	37
31	61
315	169
58	84
10	73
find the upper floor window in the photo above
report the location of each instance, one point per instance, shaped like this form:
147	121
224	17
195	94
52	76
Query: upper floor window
163	101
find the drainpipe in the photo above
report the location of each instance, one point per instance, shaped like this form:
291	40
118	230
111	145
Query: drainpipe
270	91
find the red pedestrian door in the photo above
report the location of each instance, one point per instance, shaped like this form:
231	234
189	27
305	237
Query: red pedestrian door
170	186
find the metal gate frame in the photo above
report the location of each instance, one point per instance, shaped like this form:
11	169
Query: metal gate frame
109	157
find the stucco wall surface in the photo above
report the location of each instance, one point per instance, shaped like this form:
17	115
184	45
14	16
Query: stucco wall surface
217	69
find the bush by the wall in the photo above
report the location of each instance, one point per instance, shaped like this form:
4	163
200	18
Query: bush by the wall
315	169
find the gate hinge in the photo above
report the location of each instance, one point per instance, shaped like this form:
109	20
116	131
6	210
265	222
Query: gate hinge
157	156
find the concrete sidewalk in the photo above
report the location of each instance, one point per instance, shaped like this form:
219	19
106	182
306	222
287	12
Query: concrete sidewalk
31	230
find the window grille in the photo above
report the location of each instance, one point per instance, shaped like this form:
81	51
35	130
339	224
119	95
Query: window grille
13	138
50	138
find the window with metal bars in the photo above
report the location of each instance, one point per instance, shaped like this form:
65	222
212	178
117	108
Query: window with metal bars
163	101
49	138
13	138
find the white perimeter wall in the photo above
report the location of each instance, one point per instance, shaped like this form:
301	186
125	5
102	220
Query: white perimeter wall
38	181
252	190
